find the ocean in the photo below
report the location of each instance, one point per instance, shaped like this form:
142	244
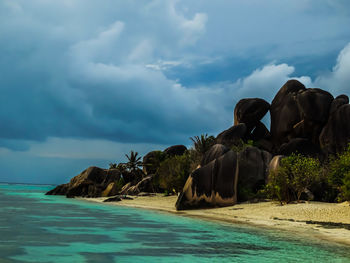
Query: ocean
39	228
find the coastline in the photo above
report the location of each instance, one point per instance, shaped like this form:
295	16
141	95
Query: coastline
323	221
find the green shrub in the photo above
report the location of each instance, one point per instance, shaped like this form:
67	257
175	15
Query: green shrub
304	171
245	193
294	176
194	158
120	183
240	145
322	189
339	166
345	188
173	173
278	186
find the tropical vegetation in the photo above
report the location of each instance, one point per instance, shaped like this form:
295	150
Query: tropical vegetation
298	174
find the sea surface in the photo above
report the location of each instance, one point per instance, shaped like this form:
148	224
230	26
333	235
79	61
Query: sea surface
39	228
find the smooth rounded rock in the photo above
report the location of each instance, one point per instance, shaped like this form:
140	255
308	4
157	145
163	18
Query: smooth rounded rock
250	111
232	135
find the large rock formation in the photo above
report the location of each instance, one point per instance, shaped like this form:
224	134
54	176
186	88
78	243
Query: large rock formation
214	152
92	182
145	185
151	161
253	171
337	102
260	132
175	150
232	135
250	111
307	121
214	184
284	112
302	146
335	135
111	189
297	112
275	163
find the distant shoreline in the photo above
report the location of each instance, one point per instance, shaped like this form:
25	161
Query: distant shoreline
11	183
323	221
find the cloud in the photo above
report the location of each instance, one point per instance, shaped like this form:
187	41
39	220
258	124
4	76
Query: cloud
100	46
263	82
338	80
88	149
14	145
151	72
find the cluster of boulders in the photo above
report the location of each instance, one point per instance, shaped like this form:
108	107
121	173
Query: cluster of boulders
92	182
97	182
308	121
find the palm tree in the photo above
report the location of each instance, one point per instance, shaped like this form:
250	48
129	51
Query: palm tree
134	162
112	166
202	143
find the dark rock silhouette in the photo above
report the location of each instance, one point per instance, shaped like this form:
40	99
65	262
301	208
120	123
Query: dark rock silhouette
214	184
111	189
260	132
250	111
314	106
145	185
284	113
335	135
232	135
337	102
297	112
125	188
265	144
149	162
113	199
59	190
302	146
90	183
253	171
214	152
175	150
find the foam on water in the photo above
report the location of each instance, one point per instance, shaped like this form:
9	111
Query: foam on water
39	228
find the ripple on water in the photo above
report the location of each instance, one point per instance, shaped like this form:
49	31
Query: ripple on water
38	228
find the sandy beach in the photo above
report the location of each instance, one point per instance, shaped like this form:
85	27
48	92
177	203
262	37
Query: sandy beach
314	219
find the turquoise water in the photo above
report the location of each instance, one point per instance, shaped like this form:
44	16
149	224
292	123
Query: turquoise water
39	228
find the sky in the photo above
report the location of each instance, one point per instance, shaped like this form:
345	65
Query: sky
83	82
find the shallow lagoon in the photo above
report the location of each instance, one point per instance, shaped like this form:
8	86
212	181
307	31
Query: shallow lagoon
39	228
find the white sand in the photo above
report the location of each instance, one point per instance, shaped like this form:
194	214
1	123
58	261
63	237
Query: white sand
291	217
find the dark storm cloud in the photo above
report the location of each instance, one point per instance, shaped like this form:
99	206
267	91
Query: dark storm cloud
153	72
83	82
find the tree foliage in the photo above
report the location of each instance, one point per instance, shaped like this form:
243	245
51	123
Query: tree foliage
154	161
294	177
345	188
339	174
112	166
278	186
134	162
173	173
202	143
